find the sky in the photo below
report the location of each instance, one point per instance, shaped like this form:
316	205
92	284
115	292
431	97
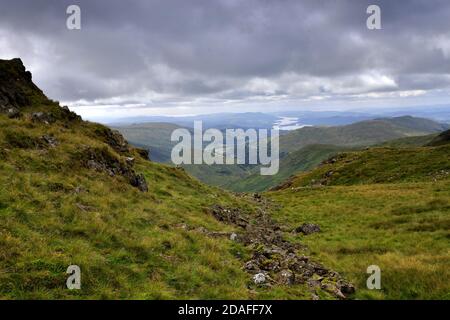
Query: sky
146	57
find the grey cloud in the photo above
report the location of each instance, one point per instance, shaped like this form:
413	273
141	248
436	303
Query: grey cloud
185	50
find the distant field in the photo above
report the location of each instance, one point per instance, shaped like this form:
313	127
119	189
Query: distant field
403	228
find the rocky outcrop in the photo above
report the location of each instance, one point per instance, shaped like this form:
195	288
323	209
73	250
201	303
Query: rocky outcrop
16	87
115	139
104	161
277	261
19	95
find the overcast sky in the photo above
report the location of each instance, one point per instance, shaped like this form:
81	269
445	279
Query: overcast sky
189	57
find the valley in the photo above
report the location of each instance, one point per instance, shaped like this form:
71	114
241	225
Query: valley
75	192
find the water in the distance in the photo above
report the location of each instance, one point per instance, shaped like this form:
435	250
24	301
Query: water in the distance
288	123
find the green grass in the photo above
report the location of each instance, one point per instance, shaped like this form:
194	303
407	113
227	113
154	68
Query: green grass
381	165
54	212
128	244
402	228
408	142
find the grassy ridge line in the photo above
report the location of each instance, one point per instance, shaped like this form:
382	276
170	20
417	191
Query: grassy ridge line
380	165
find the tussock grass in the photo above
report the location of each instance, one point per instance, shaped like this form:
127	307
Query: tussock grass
403	228
129	244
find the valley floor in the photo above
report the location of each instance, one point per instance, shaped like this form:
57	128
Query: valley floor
403	228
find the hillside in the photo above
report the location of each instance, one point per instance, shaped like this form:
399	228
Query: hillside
301	160
384	206
379	165
402	228
75	192
408	142
442	139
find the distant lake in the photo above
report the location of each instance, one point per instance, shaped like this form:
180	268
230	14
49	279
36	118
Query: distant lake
288	123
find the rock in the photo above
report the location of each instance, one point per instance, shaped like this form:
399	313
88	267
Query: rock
233	237
314	297
345	287
42	117
104	161
276	260
308	228
16	86
50	141
129	160
139	182
233	216
144	153
13	113
257	196
117	141
251	266
259	278
287	277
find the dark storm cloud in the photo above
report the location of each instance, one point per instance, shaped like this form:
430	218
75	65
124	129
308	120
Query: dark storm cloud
168	52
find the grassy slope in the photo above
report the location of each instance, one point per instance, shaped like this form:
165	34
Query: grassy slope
381	165
127	243
55	212
408	142
385	207
402	228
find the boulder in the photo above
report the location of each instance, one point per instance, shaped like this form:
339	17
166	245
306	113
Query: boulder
259	278
138	181
50	141
117	141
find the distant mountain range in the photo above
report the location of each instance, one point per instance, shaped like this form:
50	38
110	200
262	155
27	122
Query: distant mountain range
300	149
362	133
